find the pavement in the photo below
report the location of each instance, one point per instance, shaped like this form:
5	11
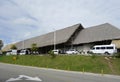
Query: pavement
19	73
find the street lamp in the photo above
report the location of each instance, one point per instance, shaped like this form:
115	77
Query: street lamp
54	39
23	44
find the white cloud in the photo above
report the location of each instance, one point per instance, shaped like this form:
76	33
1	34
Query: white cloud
23	21
28	18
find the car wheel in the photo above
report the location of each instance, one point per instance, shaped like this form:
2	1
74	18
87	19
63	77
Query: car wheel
106	53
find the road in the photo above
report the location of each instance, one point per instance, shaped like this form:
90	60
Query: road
18	73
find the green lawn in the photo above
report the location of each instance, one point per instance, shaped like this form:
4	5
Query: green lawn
73	62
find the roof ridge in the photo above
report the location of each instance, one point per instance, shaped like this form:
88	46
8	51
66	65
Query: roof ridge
99	25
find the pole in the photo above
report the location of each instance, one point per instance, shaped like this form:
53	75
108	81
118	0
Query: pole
23	44
54	40
72	43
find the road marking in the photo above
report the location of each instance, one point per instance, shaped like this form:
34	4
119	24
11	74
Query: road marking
26	78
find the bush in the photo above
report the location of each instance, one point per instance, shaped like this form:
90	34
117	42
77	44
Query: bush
89	52
118	55
3	52
51	53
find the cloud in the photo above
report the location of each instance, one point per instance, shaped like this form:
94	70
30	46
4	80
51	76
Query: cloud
29	18
23	21
14	21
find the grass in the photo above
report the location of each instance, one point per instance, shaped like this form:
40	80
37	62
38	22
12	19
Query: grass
73	63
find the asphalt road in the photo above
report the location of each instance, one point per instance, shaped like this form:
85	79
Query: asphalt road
9	72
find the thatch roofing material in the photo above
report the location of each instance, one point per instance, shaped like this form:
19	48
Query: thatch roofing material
97	33
62	36
7	47
88	35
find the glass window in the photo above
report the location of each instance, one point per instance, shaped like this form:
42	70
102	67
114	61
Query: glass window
110	47
102	47
93	48
98	48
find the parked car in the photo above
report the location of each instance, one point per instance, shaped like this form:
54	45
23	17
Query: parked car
57	51
72	51
11	52
8	53
24	52
14	52
104	49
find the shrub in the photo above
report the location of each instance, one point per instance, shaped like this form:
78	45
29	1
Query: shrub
34	48
51	53
118	55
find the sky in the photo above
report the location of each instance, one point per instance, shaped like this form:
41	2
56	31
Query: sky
23	19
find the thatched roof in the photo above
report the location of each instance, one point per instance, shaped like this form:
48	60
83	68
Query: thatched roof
92	34
7	47
62	36
97	33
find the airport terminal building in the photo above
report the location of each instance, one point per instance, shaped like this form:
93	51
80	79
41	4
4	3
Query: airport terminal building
73	37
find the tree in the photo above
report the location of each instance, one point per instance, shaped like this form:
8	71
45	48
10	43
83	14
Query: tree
13	47
52	54
34	48
1	44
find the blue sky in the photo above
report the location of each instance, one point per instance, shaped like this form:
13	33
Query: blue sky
22	19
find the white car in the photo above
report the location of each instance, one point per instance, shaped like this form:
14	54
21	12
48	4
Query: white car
8	53
24	52
72	51
14	52
56	51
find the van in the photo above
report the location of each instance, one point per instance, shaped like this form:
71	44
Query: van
104	49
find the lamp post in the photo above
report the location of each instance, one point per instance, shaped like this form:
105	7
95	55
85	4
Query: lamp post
23	44
54	39
72	43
